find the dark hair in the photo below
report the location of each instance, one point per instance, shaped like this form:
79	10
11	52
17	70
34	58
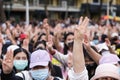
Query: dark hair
55	70
103	37
43	34
27	54
40	42
90	66
67	34
66	48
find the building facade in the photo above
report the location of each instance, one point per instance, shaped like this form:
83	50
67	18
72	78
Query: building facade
55	8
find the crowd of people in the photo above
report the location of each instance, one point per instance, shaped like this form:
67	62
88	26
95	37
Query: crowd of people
71	49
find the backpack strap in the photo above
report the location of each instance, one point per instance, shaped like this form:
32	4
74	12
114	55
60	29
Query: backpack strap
23	75
55	78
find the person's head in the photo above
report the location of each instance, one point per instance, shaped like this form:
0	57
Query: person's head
39	65
102	48
103	37
106	72
21	59
114	38
68	37
42	37
40	45
68	41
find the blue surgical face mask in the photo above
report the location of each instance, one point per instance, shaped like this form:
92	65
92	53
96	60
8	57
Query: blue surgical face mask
20	64
119	70
95	41
41	74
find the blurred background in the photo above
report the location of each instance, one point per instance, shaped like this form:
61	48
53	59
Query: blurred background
58	9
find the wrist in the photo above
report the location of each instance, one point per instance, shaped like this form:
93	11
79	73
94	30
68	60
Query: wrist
52	51
78	40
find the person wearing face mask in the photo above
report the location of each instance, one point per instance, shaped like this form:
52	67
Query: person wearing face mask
40	60
68	42
21	59
55	70
40	68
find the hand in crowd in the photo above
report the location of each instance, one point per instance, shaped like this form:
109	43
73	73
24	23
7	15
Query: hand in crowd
81	29
7	62
107	41
78	57
57	29
50	43
8	33
25	44
86	42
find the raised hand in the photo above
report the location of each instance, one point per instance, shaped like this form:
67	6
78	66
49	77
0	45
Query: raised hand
25	44
8	33
107	41
81	29
7	63
50	42
78	57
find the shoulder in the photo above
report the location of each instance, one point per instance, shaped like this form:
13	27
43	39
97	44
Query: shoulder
24	74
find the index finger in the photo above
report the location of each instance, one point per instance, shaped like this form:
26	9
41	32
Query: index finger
80	20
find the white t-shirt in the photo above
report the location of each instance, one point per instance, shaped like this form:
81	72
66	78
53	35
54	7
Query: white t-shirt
78	76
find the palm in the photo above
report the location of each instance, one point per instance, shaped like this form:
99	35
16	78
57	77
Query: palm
86	41
7	63
81	29
50	42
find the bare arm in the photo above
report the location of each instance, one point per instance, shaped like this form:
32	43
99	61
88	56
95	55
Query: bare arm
57	34
78	57
10	36
93	54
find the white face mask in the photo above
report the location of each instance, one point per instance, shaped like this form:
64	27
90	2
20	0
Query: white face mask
119	70
20	64
41	74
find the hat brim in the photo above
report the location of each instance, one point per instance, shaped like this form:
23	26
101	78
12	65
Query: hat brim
105	74
38	64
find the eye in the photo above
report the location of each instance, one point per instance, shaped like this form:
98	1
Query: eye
17	58
24	58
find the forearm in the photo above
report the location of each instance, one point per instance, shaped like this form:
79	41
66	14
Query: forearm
47	34
13	41
94	55
78	57
59	56
57	43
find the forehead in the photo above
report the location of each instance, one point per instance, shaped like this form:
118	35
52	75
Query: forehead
20	54
70	35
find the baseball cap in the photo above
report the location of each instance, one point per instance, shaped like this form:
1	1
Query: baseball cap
12	47
109	58
39	58
114	34
106	70
102	46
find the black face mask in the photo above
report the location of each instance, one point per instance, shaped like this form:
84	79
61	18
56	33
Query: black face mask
70	44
